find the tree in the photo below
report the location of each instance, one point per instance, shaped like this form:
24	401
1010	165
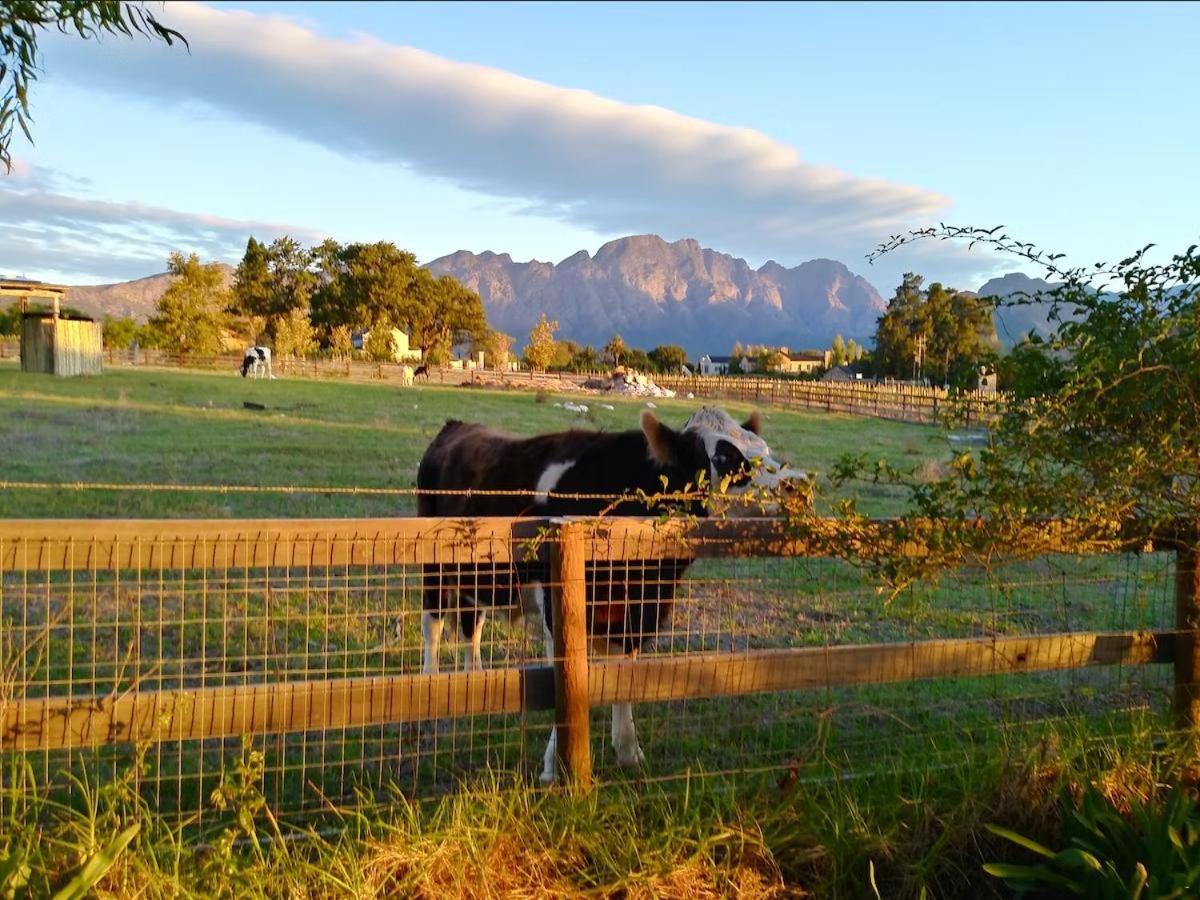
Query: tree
272	281
940	333
539	352
294	335
250	295
615	349
20	24
668	358
1108	442
188	316
497	349
380	345
586	359
118	333
10	321
362	284
445	313
838	353
638	360
340	342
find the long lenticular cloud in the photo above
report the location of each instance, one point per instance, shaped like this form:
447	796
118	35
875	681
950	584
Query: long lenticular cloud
610	166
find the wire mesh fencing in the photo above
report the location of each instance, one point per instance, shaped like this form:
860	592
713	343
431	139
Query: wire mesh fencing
359	659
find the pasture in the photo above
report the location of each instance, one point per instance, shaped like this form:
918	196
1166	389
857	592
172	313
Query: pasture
829	777
176	427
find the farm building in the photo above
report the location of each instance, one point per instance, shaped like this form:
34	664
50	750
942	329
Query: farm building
801	362
714	365
52	343
402	352
841	373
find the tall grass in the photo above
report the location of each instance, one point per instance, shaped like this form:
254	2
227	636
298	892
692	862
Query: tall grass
918	829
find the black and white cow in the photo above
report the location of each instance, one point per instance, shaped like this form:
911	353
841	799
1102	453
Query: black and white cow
629	602
257	362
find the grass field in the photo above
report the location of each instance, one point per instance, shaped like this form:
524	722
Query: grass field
898	775
170	427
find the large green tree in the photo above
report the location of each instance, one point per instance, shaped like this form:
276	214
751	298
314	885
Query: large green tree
189	315
668	358
361	285
22	23
940	333
272	283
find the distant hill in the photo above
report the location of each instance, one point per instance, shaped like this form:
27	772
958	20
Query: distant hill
1015	322
653	292
134	299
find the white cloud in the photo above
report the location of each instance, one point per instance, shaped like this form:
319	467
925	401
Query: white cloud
609	166
44	231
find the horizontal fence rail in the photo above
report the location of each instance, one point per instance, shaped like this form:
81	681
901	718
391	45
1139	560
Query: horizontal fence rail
120	632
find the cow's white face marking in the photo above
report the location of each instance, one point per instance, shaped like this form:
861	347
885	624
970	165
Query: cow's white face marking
715	426
549	480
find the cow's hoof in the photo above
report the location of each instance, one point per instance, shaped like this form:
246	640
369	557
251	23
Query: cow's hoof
634	760
548	779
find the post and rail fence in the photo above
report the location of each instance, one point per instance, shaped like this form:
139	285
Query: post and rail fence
186	635
899	402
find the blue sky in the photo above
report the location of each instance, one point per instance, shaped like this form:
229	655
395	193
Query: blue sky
769	131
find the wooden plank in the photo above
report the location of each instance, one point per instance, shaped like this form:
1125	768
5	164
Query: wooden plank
638	538
651	679
571	683
59	722
174	544
1187	621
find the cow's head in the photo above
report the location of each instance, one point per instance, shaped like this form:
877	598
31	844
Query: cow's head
247	362
729	454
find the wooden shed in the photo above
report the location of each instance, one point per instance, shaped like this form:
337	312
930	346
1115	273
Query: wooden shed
50	342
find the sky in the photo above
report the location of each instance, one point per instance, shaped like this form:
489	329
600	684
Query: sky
769	131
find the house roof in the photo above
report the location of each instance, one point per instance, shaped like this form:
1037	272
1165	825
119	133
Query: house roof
719	359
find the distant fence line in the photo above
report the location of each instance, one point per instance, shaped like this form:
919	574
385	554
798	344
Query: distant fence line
897	402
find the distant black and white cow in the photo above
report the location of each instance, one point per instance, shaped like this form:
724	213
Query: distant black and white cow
628	603
257	362
421	372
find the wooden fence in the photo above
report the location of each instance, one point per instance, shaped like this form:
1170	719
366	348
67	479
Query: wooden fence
882	401
60	715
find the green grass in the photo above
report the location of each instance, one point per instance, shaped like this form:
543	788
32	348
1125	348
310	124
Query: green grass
168	427
899	775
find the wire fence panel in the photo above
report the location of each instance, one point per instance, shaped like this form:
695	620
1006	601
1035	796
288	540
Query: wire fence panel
362	658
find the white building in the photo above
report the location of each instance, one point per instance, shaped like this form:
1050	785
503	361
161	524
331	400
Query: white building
715	365
399	340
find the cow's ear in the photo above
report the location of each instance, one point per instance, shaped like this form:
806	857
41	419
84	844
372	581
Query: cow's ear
659	438
753	424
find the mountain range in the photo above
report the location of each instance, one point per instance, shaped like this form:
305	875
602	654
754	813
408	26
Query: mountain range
652	292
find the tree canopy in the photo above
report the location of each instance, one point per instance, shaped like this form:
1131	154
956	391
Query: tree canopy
539	352
189	316
939	333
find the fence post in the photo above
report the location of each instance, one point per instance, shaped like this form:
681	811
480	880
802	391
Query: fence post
1187	641
571	707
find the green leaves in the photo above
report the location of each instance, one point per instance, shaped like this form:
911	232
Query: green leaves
96	867
1153	852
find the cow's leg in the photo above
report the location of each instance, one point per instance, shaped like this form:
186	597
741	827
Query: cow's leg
550	757
624	737
432	624
470	622
624	734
